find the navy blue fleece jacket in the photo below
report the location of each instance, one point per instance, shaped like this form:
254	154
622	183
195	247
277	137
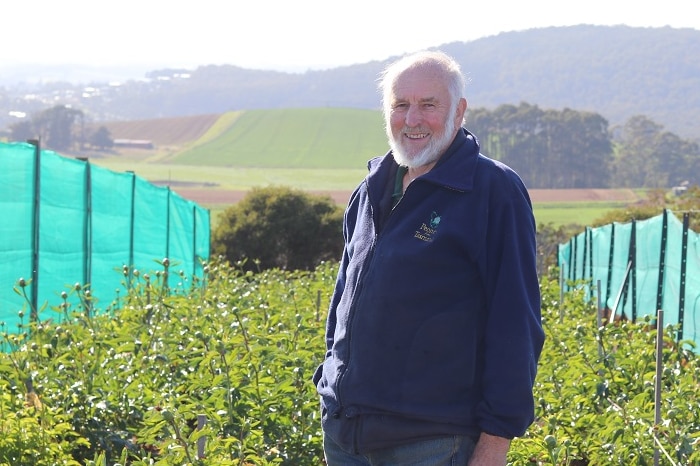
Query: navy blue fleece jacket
434	325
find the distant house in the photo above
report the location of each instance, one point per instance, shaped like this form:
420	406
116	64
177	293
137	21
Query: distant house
134	143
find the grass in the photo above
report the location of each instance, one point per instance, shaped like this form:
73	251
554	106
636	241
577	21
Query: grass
570	213
334	138
242	178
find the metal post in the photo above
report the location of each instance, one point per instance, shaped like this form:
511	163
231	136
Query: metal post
657	384
681	288
318	305
599	319
611	258
561	291
590	257
34	314
132	226
194	240
87	227
201	441
662	261
633	277
167	223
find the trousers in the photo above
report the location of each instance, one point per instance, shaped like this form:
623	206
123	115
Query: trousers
444	451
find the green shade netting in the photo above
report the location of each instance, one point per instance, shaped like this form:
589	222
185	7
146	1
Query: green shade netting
66	221
641	267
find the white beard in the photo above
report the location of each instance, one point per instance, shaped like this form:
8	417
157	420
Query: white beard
429	154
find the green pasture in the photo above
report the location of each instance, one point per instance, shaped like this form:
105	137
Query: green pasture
572	213
337	138
241	178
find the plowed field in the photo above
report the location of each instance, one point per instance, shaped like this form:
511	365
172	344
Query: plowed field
163	131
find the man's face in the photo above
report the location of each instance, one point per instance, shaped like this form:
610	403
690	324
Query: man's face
421	122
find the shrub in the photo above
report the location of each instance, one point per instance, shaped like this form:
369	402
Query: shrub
280	227
656	202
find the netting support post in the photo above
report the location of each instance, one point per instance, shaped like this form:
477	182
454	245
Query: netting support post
572	259
684	261
34	314
632	283
662	260
599	318
657	382
201	441
589	231
611	257
167	222
194	240
87	227
132	228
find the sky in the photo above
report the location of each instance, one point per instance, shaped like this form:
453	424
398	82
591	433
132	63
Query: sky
288	35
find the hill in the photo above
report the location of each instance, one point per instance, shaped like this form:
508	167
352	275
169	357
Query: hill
302	138
616	71
329	138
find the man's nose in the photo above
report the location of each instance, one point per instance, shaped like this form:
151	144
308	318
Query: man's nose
413	116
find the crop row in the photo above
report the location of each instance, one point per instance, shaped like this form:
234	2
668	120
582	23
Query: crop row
221	375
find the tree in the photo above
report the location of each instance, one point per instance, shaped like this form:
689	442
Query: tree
639	159
22	131
101	138
55	126
279	227
549	149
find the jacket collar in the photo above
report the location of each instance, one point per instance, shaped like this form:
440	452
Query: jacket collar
455	169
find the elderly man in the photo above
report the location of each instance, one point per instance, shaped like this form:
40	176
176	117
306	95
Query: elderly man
434	331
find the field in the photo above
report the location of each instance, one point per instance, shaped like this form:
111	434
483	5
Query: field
215	159
217	370
238	350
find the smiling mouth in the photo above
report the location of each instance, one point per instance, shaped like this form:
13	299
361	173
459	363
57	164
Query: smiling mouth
416	135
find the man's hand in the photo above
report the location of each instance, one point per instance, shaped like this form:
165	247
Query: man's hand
490	451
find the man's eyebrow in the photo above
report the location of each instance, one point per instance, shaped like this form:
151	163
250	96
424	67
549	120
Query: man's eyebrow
422	101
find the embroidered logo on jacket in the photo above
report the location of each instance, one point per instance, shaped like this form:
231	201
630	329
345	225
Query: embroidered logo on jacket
427	230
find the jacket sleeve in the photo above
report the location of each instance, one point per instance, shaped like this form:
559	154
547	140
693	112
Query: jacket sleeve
513	336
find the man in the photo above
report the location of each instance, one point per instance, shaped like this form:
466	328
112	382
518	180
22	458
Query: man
434	331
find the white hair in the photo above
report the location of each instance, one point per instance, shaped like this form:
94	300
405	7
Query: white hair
437	60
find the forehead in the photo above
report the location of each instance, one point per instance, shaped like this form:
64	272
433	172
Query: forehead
426	82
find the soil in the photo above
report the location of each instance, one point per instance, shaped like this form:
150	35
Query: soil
219	196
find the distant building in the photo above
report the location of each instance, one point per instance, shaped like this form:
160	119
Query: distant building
134	143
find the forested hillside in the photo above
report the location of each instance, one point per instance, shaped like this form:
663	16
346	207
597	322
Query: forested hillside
618	72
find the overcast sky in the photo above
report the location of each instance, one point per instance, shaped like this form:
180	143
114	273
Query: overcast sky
288	35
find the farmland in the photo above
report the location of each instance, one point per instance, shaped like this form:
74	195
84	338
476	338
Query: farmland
215	159
127	384
238	349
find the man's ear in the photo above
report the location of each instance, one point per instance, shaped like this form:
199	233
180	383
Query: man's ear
461	111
